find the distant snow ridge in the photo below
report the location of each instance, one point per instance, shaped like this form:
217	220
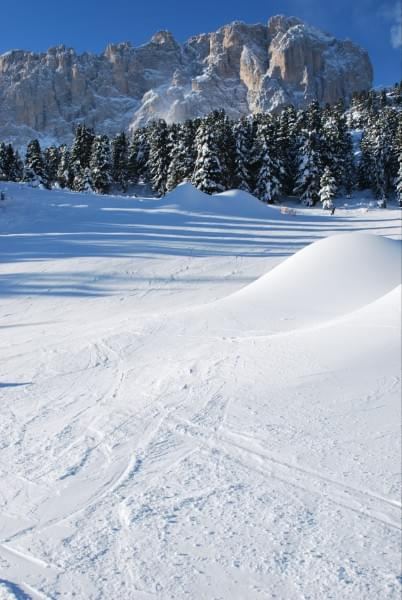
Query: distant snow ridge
328	279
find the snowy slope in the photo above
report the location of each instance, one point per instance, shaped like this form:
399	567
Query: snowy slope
328	279
200	398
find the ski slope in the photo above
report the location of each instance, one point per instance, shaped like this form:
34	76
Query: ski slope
200	398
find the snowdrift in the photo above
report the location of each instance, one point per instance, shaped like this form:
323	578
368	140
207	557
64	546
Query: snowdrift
327	279
242	203
186	197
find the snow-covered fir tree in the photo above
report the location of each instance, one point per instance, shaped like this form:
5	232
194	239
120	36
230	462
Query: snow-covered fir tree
398	183
34	169
243	146
159	157
267	187
17	163
182	163
4	170
81	150
208	176
64	175
396	144
309	169
226	144
10	163
183	156
83	181
138	156
51	159
120	160
287	133
312	118
100	164
364	171
328	189
381	156
337	147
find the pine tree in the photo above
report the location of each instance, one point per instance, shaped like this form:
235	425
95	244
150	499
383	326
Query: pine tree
120	160
207	176
83	182
309	169
336	146
13	164
396	144
34	170
267	187
287	148
327	189
243	145
18	165
226	145
181	166
364	172
313	118
82	146
381	150
51	158
10	163
64	175
256	121
398	183
159	157
100	164
4	174
138	154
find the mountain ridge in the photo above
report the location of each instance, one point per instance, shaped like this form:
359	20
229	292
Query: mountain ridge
241	68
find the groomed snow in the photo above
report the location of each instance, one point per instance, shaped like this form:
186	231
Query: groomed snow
200	398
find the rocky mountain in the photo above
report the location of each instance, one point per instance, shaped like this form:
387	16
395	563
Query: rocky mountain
241	68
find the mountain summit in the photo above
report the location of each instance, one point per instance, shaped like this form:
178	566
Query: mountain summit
240	68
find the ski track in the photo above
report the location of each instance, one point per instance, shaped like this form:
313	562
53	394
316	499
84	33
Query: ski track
147	458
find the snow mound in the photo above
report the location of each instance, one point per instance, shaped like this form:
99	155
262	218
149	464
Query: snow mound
244	203
327	279
186	197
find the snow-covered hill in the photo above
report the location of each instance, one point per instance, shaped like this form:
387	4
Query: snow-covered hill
200	398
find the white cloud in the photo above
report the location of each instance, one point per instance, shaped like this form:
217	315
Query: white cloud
392	13
396	28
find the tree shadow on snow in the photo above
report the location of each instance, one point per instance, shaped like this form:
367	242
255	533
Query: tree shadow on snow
115	227
15	589
13	385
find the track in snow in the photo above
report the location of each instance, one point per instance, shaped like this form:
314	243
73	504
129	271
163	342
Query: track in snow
164	435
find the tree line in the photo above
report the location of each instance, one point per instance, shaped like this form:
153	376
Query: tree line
313	153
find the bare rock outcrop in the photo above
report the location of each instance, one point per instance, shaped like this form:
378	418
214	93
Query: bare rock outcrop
241	68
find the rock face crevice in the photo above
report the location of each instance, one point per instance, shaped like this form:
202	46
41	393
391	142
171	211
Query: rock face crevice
241	68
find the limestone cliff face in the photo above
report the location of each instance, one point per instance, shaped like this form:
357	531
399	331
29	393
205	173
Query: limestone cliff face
241	68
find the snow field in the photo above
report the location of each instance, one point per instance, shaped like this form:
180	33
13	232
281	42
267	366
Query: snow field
197	401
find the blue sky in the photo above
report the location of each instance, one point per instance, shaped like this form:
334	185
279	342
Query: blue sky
91	24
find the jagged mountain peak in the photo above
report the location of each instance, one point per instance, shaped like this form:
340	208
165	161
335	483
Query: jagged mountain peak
243	68
164	37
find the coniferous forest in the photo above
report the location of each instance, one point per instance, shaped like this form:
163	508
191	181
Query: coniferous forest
314	154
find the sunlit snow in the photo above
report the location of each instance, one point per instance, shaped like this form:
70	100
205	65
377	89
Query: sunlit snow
200	398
